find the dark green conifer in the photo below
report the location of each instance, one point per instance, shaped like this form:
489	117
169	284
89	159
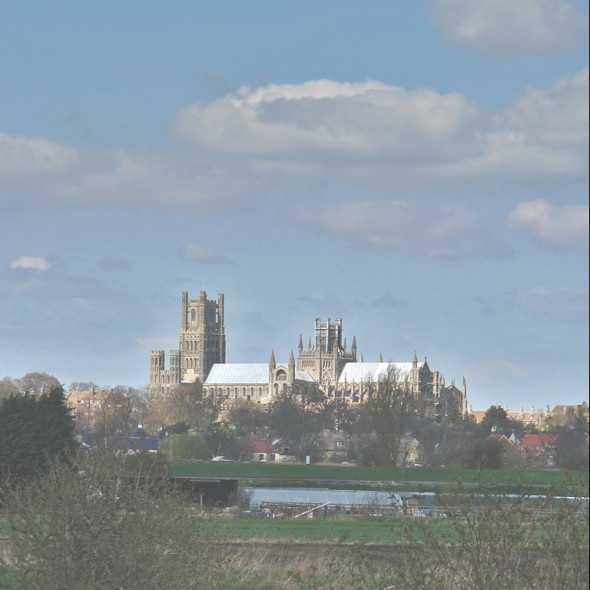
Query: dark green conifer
34	430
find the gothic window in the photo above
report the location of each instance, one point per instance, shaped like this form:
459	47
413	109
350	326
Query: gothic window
281	376
193	315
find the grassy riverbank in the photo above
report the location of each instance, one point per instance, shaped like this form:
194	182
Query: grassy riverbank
391	478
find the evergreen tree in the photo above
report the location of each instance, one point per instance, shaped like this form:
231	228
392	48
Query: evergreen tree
33	431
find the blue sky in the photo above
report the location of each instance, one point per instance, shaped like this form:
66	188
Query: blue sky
419	169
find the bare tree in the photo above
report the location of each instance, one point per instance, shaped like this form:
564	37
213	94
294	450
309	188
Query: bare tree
183	404
489	541
37	383
387	416
107	524
247	417
112	416
8	387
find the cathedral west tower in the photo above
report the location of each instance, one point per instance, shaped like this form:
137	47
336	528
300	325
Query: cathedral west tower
201	344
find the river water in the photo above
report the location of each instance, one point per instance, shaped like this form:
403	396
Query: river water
375	502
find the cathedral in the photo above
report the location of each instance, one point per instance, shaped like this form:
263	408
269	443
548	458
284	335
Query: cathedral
326	366
201	345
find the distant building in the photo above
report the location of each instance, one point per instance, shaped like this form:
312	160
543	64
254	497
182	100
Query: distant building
258	382
539	449
261	450
534	417
571	410
201	344
537	417
87	406
326	366
358	380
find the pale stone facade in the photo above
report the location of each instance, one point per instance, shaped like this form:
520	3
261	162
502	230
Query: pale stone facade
201	345
87	406
327	367
258	382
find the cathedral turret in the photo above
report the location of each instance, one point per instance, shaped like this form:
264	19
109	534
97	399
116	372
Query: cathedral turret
272	365
354	347
184	311
300	348
221	321
464	396
292	367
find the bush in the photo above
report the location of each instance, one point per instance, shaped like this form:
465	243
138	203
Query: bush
102	525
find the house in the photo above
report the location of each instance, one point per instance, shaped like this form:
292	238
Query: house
334	446
409	450
539	449
506	442
261	450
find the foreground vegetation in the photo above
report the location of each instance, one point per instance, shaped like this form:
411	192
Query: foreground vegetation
108	522
90	520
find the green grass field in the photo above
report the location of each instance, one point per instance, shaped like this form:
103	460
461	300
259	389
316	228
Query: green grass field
358	530
299	474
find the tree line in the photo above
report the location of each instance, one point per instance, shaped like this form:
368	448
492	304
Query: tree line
377	432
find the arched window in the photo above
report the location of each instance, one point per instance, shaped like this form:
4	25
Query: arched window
193	315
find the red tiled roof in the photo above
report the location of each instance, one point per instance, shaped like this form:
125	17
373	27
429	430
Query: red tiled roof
538	440
260	446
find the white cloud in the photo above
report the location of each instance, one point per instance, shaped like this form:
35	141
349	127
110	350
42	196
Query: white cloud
384	137
31	262
367	135
196	253
20	156
565	226
562	304
357	121
126	171
155	179
506	28
556	116
438	232
542	135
